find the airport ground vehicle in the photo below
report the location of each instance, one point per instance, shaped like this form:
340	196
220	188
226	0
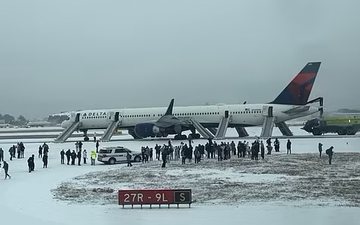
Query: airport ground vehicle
117	154
342	124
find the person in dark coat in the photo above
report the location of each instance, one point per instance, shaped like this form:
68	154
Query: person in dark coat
320	148
11	152
128	159
80	145
62	155
97	146
45	149
163	157
330	153
73	157
277	145
1	155
79	157
6	169
45	160
31	163
40	151
288	147
68	155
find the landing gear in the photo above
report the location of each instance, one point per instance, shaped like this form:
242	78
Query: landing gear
86	138
180	137
194	136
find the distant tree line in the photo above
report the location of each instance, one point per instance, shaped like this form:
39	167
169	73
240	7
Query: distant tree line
57	119
349	111
19	121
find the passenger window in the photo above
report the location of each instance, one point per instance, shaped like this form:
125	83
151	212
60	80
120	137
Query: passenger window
119	150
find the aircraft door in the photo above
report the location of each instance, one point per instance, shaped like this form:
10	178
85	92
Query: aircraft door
116	116
77	118
226	113
270	111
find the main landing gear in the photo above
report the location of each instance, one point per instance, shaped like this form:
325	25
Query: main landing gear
86	137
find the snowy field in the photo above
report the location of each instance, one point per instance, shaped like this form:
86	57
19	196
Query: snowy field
282	189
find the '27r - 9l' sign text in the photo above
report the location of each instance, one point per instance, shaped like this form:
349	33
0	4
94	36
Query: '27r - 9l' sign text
152	197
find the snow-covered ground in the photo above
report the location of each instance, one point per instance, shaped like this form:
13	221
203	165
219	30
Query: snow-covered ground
296	189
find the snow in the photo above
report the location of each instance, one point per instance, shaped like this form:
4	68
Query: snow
34	198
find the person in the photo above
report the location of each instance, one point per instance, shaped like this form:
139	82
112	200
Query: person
68	155
6	169
80	146
320	148
288	147
40	152
73	157
143	157
1	155
11	152
97	146
62	155
330	153
45	160
128	159
163	157
268	146
31	163
45	149
93	157
262	150
84	155
277	145
79	157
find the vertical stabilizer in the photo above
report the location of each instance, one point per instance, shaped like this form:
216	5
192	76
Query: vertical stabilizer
170	108
298	90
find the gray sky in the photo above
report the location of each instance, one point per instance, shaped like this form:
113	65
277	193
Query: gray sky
64	55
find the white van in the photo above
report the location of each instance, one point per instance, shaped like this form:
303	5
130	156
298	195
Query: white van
112	155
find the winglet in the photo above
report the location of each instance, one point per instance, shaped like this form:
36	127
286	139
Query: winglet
298	90
170	108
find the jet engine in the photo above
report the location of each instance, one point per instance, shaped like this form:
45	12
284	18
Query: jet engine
144	130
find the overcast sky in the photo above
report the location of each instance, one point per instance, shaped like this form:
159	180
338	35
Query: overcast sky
64	55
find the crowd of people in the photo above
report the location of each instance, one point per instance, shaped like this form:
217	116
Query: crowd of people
221	151
79	155
166	152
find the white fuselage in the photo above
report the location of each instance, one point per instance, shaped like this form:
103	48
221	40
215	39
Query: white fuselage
240	115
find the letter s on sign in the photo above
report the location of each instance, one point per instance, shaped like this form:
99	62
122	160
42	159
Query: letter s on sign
182	197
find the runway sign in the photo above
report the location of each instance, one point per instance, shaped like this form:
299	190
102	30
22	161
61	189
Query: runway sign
154	197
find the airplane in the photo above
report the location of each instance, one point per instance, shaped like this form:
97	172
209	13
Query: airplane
211	121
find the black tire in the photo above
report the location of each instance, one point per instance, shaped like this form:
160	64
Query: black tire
112	161
316	132
180	137
194	136
137	159
86	138
350	131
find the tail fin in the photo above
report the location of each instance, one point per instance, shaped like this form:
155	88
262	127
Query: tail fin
170	108
298	90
